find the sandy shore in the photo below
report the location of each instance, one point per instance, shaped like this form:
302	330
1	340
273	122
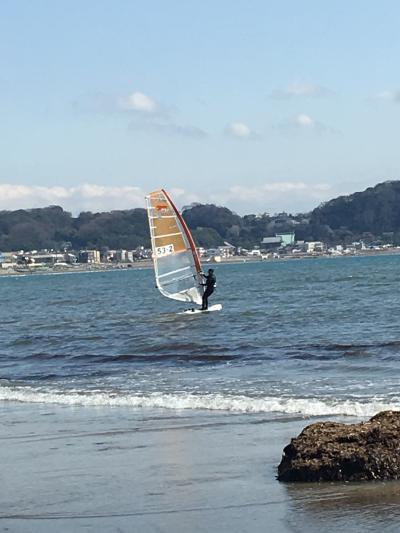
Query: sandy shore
74	469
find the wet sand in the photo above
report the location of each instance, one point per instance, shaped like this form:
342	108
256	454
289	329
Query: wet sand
113	469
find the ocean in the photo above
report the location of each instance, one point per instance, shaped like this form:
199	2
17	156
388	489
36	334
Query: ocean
115	407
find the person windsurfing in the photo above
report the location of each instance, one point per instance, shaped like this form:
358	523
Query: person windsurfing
210	282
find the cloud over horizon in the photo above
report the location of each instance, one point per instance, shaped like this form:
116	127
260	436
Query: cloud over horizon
294	196
273	197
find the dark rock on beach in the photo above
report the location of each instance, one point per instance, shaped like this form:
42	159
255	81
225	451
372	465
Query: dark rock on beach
329	451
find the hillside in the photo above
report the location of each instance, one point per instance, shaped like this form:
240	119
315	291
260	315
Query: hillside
50	227
372	215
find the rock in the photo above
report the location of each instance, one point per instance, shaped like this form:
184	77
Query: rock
329	451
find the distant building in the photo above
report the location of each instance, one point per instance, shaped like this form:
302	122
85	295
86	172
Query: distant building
359	245
314	247
121	256
226	250
287	239
89	256
271	243
70	258
43	258
241	251
7	260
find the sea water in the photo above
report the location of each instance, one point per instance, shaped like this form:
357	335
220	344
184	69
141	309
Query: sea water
313	337
86	355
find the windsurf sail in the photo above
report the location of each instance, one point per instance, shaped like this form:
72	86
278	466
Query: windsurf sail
176	261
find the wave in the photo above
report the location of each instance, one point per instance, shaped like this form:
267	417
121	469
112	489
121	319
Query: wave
213	402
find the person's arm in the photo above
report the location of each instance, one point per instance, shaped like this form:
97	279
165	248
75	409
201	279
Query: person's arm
205	278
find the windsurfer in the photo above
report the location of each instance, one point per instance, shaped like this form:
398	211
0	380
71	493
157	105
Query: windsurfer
210	282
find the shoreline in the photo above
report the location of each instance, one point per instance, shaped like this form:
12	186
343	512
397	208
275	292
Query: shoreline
146	264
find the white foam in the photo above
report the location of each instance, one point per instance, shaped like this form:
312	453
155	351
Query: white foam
213	402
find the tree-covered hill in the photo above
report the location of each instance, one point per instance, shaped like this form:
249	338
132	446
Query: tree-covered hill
373	214
50	227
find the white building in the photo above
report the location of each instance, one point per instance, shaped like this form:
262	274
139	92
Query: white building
314	247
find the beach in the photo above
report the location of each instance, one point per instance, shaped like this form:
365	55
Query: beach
95	469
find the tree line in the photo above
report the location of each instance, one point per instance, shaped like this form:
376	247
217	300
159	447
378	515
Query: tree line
371	215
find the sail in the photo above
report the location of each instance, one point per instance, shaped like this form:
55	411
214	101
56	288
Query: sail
176	262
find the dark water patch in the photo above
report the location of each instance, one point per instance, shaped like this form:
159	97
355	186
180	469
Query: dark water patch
315	357
43	356
122	358
39	376
170	347
146	358
9	321
347	348
357	352
28	339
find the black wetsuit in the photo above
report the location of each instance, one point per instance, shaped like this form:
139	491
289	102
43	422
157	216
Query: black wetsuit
209	284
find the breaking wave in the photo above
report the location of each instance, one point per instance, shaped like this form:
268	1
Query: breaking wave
212	402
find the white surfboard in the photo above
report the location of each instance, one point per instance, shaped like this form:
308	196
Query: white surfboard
215	307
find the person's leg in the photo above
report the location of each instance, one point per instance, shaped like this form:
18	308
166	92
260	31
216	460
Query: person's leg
205	300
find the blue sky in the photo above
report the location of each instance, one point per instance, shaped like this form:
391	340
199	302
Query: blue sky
257	105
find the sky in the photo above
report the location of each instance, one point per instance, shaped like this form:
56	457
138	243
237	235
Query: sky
257	105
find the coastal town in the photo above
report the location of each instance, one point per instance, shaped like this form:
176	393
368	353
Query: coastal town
282	246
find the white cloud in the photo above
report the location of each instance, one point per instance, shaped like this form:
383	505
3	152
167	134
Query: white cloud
240	130
273	196
305	121
301	89
98	102
138	101
144	112
80	198
244	192
388	95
